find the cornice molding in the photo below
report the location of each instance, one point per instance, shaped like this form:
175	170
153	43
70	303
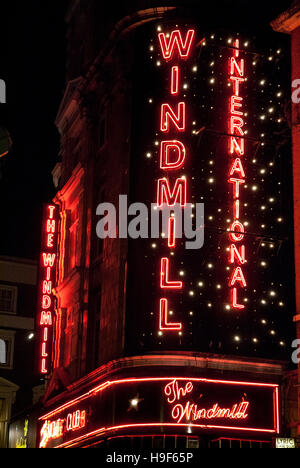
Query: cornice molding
288	21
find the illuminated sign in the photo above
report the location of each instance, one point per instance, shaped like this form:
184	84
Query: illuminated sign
237	175
22	441
45	317
199	139
173	154
53	430
190	411
285	443
176	404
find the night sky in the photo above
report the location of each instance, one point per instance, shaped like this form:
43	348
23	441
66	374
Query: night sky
33	65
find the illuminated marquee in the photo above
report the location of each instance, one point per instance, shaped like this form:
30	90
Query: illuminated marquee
174	47
190	411
172	403
53	430
46	284
237	176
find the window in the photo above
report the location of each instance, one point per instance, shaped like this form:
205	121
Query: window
8	299
7	339
239	443
3	352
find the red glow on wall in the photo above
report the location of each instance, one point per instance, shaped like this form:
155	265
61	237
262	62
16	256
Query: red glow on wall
171	196
174	80
165	282
46	284
172	233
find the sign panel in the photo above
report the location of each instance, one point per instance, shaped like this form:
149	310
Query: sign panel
47	274
285	443
177	404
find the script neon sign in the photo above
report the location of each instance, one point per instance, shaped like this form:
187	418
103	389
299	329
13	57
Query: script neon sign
189	411
206	404
53	430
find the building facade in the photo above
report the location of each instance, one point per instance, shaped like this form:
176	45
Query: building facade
18	279
289	23
157	343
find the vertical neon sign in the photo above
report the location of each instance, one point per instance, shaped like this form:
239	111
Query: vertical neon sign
47	273
237	176
173	155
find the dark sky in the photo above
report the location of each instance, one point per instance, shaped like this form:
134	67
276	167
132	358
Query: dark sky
33	64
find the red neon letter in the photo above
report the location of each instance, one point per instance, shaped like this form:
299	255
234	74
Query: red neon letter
49	259
236	102
239	255
163	317
240	68
236	123
51	211
234	302
164	194
46	318
236	84
175	80
178	118
238	277
51	226
236	209
237	146
236	183
173	148
165	283
43	367
168	45
47	287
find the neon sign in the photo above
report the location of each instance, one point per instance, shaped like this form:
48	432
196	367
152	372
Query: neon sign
22	442
53	430
199	403
190	412
176	46
237	176
46	285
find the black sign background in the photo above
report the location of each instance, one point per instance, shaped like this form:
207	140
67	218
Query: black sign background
41	277
109	408
207	325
